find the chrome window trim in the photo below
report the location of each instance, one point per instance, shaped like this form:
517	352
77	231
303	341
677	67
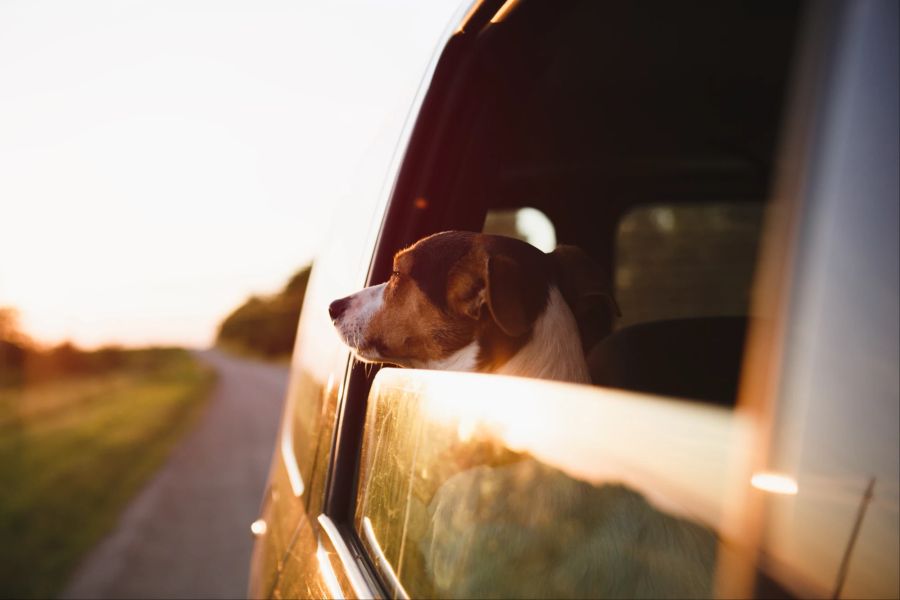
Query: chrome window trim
288	456
353	571
384	565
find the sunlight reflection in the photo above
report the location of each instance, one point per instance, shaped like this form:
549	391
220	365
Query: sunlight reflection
594	434
327	571
259	527
537	228
288	457
504	10
775	483
465	20
537	465
465	429
384	565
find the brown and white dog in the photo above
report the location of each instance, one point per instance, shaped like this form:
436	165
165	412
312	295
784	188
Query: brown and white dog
465	301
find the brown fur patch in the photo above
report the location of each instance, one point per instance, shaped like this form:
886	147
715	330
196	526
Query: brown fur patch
466	286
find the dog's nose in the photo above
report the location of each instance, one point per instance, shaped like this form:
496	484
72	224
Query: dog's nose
337	308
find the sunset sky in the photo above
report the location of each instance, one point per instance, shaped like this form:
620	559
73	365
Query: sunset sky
160	161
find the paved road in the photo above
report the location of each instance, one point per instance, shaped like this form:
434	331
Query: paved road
186	534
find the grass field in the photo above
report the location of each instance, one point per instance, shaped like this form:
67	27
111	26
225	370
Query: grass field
74	451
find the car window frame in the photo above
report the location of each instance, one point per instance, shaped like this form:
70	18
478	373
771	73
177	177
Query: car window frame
426	122
400	227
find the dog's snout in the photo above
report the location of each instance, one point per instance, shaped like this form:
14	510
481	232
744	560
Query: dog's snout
337	308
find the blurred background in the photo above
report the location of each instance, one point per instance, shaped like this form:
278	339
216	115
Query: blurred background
167	172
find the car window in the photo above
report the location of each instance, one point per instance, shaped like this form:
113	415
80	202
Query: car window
676	261
485	486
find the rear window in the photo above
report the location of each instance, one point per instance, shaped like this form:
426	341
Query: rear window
677	261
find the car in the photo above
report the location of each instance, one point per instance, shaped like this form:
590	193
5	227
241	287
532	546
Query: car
733	167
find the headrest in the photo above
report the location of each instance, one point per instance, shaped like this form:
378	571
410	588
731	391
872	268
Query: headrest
698	359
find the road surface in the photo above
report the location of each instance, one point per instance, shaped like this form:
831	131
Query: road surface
187	533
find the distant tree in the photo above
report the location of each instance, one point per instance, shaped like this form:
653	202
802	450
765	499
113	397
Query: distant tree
15	347
68	358
267	325
9	326
107	358
21	359
12	362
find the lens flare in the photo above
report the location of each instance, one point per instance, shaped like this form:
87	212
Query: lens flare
775	483
258	527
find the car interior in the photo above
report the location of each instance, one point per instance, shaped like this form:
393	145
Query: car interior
646	134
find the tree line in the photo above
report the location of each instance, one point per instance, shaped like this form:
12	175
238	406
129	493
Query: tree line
266	325
24	360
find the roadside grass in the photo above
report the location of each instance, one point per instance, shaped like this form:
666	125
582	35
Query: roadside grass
74	451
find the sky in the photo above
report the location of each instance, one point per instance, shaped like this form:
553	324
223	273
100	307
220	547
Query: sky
161	161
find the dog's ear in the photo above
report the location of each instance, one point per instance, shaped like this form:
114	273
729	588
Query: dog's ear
466	292
515	296
587	289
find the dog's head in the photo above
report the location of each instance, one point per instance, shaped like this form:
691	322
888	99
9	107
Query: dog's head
456	299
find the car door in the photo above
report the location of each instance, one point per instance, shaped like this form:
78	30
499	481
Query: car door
447	485
476	486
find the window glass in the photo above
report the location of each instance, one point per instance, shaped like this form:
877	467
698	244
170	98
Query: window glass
682	280
481	486
679	261
527	224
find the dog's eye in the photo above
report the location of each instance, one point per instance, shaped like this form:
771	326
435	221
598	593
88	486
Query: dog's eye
395	273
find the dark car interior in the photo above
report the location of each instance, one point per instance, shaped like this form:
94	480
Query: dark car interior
646	132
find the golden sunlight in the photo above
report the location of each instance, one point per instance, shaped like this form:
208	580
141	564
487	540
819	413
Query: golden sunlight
147	191
677	453
259	527
775	483
327	572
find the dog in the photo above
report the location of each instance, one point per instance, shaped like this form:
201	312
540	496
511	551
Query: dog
464	301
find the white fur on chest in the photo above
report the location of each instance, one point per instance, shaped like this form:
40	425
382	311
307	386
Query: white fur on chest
554	350
464	359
